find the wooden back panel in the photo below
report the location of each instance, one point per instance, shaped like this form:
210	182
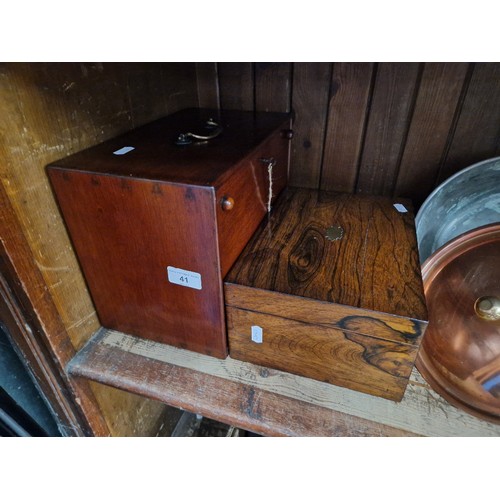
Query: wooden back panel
393	128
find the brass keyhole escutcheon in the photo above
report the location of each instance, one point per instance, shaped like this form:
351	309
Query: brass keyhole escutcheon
488	308
334	233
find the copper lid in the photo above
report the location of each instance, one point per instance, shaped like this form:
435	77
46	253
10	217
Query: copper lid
460	352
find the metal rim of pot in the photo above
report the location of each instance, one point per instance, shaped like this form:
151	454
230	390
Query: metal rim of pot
433	231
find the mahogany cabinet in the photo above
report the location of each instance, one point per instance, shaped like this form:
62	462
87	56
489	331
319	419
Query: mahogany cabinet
157	217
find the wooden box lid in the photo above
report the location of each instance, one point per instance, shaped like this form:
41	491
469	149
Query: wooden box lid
368	280
150	152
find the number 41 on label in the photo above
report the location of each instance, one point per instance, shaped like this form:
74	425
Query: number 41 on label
184	278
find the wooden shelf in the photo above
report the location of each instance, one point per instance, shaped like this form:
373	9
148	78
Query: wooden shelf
265	401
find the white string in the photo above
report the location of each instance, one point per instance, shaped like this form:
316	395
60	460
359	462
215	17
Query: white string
270	195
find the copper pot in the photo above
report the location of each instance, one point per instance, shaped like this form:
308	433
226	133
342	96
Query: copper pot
460	352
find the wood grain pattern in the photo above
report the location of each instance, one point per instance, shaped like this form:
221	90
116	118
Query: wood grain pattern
235	402
44	339
392	279
132	258
311	82
351	88
273	86
399	118
174	194
143	90
156	157
51	110
347	318
69	94
388	122
374	266
236	85
179	86
40	128
294	405
435	109
130	414
330	355
476	136
249	187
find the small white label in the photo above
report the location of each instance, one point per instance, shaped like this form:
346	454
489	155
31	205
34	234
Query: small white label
400	208
123	151
257	334
184	278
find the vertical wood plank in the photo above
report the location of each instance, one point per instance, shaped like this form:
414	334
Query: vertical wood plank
309	101
387	127
477	134
145	91
179	86
208	85
236	85
127	414
273	86
438	97
83	103
48	111
157	89
350	92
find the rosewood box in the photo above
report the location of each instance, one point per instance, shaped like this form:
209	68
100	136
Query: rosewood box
329	287
158	215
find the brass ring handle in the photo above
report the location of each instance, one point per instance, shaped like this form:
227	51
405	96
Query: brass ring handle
185	138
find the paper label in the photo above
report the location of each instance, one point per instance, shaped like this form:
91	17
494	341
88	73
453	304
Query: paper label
123	151
184	278
400	208
257	334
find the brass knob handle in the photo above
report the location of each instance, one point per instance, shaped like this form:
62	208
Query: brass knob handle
488	308
227	203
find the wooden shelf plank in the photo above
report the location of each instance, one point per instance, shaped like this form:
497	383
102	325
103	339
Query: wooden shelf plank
262	400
